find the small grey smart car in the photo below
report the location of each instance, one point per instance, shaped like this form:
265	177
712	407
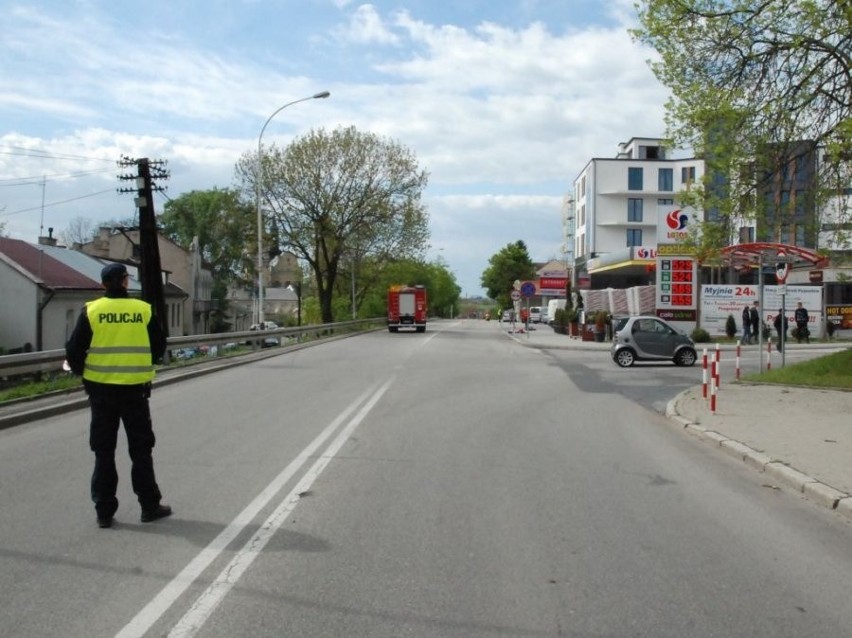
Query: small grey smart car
648	338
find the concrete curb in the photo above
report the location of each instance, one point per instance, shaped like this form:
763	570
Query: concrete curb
814	490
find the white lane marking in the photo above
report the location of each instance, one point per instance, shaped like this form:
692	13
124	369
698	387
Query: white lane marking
206	604
154	610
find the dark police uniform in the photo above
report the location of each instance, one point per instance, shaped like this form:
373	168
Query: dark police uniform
114	347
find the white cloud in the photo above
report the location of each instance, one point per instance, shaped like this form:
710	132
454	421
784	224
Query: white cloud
365	26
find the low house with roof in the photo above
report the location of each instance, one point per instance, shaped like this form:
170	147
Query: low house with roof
184	267
44	287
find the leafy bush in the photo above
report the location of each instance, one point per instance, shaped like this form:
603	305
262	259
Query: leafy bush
731	327
700	335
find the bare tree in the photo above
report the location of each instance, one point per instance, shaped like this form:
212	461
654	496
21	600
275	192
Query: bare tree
80	230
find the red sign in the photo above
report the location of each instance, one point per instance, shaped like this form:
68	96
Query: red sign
551	283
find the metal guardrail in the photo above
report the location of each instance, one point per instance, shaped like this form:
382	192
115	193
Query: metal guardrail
12	365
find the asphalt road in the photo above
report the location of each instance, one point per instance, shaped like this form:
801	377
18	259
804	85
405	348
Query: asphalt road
450	483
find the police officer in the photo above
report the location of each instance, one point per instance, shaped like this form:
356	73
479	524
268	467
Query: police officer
114	347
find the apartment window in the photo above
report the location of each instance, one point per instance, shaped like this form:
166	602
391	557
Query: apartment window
583	186
634	237
665	179
800	203
665	201
175	318
800	234
687	174
769	199
801	168
634	179
634	209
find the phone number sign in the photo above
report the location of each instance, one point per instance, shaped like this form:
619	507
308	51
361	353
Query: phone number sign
676	283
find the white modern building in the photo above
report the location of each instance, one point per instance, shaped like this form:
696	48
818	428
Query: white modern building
623	207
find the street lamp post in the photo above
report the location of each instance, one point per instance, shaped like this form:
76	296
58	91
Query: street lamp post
257	183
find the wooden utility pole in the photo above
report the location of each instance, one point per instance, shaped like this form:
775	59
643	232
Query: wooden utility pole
150	269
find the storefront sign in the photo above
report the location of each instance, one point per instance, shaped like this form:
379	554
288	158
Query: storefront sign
551	283
720	301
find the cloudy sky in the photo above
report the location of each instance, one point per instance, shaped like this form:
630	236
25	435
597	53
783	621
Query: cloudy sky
502	101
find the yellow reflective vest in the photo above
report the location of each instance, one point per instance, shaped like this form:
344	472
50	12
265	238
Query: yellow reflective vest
120	352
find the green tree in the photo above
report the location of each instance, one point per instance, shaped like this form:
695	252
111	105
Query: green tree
341	196
441	287
751	79
511	264
221	223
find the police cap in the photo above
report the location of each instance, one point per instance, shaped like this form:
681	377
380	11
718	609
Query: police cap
113	274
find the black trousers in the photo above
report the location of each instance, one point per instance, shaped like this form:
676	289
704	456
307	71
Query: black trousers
111	404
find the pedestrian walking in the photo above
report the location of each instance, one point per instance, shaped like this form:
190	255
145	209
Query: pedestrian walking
756	323
781	328
746	324
114	346
801	318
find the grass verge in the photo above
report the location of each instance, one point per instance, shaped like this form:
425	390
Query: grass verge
831	371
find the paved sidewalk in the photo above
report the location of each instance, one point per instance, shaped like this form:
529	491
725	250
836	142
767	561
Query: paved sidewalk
800	437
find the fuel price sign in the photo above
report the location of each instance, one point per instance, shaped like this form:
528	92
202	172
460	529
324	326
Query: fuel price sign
676	283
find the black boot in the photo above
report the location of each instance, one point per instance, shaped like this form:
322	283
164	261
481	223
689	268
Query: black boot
156	513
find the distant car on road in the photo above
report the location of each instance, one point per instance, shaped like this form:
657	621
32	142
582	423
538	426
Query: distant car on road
508	315
649	338
267	325
535	314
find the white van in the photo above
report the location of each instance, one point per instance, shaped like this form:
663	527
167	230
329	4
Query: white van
535	314
552	306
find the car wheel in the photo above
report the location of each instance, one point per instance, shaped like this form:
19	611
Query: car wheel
625	357
686	357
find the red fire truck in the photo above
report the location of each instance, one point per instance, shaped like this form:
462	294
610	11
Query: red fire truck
407	308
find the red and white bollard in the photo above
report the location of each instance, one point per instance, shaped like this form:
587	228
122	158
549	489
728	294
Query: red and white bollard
704	374
713	392
718	365
738	362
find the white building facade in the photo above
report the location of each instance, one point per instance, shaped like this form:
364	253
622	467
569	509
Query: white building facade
624	207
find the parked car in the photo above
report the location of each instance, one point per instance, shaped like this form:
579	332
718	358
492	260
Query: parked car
508	315
535	314
648	338
267	325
